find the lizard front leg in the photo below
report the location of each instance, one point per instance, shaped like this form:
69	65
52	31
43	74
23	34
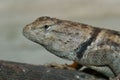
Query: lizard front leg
97	59
115	63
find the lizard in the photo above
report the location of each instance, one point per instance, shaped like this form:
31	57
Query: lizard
86	45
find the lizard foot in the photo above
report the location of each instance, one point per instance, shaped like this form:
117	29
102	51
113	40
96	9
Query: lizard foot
59	66
73	66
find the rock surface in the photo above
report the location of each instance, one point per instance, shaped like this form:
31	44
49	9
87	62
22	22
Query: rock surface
22	71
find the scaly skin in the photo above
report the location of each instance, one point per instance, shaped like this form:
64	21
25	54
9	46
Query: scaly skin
96	48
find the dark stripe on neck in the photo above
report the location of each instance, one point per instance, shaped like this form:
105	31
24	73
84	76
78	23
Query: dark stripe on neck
83	47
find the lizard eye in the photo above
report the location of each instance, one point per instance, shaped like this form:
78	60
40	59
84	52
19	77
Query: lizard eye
46	27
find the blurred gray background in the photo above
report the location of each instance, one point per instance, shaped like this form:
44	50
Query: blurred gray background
15	14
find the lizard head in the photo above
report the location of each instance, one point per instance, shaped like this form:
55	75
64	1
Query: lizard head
60	37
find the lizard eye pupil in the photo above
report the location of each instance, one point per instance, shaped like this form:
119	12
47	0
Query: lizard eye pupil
46	26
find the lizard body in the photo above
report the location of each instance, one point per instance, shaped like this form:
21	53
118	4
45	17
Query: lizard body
87	45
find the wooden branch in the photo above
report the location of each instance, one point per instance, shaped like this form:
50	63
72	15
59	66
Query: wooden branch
22	71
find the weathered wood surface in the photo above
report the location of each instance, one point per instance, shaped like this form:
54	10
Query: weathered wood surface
22	71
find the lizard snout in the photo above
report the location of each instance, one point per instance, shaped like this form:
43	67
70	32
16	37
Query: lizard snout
26	29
